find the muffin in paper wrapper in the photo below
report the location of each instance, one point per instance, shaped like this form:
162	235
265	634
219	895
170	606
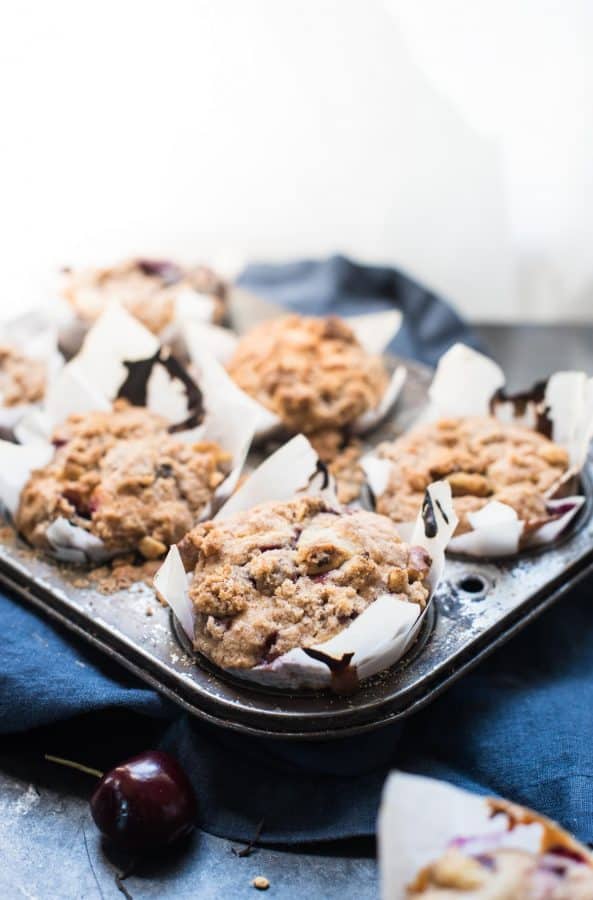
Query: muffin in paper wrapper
189	302
372	642
121	358
34	336
374	331
467	383
436	840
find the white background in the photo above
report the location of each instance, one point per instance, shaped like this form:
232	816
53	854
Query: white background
451	137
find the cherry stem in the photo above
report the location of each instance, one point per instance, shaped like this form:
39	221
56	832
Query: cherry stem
74	765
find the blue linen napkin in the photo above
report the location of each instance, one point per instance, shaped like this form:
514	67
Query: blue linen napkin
339	286
519	726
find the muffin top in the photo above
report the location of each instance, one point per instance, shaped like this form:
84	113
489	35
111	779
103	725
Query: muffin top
22	379
292	574
505	873
121	476
311	372
482	458
147	288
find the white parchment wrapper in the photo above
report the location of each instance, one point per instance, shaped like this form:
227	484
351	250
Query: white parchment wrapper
379	636
90	382
420	818
35	336
374	331
464	384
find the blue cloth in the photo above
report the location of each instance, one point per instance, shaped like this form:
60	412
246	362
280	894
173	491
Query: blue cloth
520	725
338	285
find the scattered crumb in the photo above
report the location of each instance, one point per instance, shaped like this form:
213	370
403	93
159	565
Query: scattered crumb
149	611
6	533
261	883
122	574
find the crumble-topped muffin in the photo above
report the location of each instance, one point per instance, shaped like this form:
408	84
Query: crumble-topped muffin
292	574
22	379
121	476
147	288
313	373
506	874
482	458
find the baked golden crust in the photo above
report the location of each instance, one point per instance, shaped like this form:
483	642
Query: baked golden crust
293	574
311	372
505	874
561	870
121	476
147	289
22	379
481	458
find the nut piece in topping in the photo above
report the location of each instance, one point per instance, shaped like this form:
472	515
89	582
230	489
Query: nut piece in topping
311	372
468	483
122	477
292	574
22	379
147	288
151	548
481	458
322	549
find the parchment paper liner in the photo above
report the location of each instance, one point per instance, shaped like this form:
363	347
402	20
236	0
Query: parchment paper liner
420	818
379	636
35	336
374	331
91	381
466	383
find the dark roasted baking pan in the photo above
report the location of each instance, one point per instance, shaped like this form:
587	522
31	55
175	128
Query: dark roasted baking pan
478	606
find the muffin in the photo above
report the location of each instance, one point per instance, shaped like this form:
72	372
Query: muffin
440	842
482	458
293	574
22	379
123	478
500	874
147	288
310	372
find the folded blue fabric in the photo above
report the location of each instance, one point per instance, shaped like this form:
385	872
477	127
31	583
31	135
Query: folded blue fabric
520	725
338	285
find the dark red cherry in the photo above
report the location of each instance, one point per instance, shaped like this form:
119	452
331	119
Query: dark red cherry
145	803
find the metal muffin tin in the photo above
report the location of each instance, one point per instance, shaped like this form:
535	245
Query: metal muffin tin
478	606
